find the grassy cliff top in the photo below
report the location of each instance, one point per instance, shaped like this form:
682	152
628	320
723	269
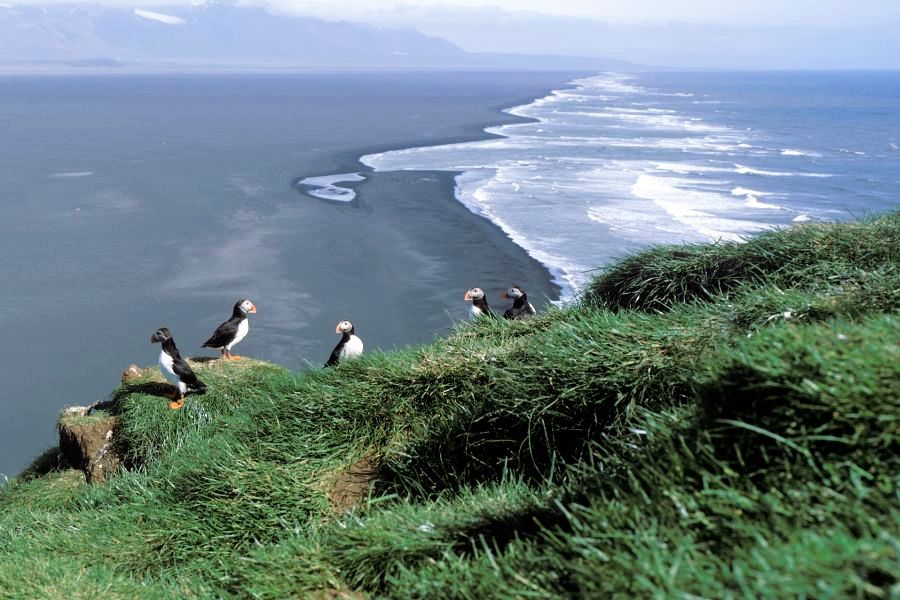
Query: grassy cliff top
713	420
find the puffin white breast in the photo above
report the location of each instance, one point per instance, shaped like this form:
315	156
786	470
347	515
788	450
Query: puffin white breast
242	331
167	366
352	348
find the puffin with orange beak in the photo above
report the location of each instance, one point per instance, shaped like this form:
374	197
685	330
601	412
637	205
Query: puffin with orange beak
521	308
232	331
175	368
479	303
350	345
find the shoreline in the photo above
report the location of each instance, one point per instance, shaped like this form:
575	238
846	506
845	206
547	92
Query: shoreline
352	163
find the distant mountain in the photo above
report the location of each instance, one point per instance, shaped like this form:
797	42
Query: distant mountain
817	40
223	34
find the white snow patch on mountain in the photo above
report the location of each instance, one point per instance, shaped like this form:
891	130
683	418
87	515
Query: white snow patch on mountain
160	17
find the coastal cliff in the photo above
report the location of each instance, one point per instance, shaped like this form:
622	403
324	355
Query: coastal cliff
709	420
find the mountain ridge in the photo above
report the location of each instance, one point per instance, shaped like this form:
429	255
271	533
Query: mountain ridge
224	34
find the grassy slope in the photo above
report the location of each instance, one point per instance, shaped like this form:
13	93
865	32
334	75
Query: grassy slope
717	420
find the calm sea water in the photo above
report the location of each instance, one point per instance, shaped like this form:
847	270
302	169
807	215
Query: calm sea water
128	203
615	162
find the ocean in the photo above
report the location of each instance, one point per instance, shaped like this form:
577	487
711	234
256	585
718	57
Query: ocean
133	202
614	162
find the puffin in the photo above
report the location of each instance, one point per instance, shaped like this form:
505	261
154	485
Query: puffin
175	368
521	308
350	345
479	303
232	331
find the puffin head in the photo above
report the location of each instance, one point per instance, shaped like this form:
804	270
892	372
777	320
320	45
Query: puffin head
474	294
514	292
344	327
246	306
162	334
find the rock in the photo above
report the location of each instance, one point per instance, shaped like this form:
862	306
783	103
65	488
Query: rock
75	411
131	373
87	444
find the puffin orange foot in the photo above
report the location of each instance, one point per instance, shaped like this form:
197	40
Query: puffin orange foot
176	404
235	357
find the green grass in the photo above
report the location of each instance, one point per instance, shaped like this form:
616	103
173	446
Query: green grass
824	256
709	421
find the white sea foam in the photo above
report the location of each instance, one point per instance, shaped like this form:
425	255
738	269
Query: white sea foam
751	198
689	168
753	202
71	174
743	170
789	152
324	187
739	191
699	209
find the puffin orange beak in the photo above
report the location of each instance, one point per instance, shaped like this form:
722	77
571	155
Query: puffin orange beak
338	328
468	296
252	308
505	294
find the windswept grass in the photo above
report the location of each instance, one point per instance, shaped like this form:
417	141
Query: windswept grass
712	421
821	256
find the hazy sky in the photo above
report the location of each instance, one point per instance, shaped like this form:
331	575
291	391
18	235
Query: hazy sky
837	13
757	34
805	13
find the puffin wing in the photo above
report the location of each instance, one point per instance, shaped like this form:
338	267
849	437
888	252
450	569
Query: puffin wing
486	309
335	355
186	374
510	314
223	334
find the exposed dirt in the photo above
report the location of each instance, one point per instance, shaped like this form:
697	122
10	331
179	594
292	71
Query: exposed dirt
353	484
87	444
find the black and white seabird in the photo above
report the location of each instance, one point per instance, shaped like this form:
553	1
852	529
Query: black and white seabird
479	303
521	308
232	331
175	368
350	345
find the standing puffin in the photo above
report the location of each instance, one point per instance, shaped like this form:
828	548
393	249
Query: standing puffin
479	303
232	331
175	368
350	345
521	308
